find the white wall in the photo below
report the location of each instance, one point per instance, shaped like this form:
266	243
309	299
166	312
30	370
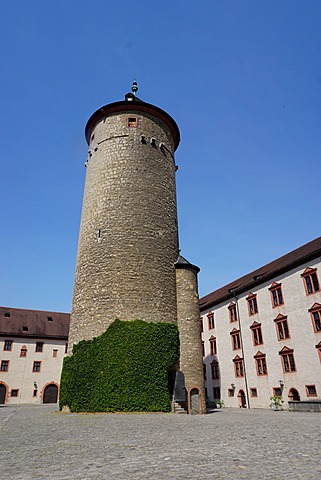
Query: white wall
20	375
303	340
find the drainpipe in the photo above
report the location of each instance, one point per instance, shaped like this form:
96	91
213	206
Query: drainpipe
242	348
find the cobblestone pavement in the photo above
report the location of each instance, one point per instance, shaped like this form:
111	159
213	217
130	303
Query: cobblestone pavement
37	442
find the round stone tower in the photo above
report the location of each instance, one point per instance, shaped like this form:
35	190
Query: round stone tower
128	240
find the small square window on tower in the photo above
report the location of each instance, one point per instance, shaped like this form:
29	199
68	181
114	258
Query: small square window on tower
132	122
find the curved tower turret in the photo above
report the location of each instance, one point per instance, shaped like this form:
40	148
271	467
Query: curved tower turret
128	240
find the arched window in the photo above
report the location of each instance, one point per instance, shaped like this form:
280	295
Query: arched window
23	351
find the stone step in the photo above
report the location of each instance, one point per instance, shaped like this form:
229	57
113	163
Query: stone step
177	408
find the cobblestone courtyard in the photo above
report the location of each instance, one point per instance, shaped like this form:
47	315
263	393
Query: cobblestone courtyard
37	442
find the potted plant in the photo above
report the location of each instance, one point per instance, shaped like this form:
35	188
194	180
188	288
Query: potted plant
276	402
219	403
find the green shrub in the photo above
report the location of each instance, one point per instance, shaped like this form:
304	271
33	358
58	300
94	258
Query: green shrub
124	369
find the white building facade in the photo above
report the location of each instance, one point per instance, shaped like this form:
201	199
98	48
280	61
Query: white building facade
32	347
262	333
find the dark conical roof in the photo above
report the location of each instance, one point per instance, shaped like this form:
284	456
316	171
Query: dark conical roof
183	263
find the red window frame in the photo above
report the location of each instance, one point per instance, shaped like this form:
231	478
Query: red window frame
210	320
252	305
282	327
315	312
314	394
277	298
257	336
35	368
235	339
288	361
4	365
7	343
311	281
232	312
238	367
213	345
253	392
260	363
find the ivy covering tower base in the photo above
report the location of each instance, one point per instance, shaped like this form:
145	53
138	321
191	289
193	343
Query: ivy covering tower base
123	370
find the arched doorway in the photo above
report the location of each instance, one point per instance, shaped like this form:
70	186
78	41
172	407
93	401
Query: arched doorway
3	393
50	393
294	395
242	399
194	401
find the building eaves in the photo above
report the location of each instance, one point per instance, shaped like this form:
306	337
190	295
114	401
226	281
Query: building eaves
287	262
18	322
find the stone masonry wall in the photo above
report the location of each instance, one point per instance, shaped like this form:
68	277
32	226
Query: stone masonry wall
128	240
188	318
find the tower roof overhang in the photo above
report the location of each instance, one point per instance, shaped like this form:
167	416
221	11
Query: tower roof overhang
133	103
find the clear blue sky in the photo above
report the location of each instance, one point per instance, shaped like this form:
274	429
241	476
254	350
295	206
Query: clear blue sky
242	78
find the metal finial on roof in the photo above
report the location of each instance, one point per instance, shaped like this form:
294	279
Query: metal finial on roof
134	87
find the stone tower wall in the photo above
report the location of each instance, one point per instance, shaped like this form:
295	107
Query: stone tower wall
128	240
188	318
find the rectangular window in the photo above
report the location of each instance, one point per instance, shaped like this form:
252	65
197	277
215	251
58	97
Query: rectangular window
54	353
253	392
217	393
311	390
232	312
238	367
261	368
7	314
282	328
318	347
315	313
215	371
8	345
39	347
230	392
203	349
276	294
213	347
311	281
257	335
66	347
36	367
252	304
50	319
210	318
204	371
4	365
201	324
132	122
35	392
14	393
277	392
236	340
288	362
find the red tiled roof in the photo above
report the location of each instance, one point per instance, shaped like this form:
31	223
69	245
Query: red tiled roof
33	323
283	264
